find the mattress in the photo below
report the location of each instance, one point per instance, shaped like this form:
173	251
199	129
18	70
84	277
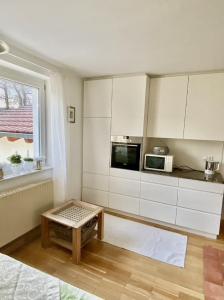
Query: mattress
21	282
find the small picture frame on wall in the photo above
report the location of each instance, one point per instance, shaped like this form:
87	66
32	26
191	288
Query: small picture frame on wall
71	114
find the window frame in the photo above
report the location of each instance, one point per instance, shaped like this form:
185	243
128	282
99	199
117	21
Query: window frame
40	84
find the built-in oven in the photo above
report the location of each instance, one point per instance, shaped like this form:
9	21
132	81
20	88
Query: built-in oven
126	152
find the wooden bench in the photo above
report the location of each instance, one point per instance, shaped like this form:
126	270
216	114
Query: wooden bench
73	215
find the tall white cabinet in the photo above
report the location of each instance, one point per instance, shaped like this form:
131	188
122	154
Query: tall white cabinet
167	103
96	145
97	98
205	107
96	140
129	102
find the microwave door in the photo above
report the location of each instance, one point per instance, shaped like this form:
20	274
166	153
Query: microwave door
155	163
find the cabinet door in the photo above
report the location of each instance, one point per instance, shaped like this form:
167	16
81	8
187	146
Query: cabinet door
205	107
97	98
96	145
167	104
202	201
124	186
128	105
124	203
95	181
95	197
159	193
198	220
158	211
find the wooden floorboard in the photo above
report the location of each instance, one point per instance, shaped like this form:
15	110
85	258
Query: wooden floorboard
114	273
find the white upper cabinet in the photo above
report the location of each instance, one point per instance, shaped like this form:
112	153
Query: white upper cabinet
97	98
129	105
96	145
167	103
205	107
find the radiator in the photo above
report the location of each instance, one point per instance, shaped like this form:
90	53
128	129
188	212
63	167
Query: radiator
20	209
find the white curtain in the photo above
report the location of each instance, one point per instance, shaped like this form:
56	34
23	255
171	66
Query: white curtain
57	137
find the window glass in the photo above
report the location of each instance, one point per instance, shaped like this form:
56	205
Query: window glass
19	124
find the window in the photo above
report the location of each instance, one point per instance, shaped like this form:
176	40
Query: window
21	118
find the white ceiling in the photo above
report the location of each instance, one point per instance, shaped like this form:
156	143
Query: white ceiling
99	37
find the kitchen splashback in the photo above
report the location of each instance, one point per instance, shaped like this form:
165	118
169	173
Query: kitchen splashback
188	152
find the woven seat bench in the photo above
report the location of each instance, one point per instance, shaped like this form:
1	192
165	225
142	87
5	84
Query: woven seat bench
72	225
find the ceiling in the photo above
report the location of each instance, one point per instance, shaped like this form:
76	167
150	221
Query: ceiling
102	37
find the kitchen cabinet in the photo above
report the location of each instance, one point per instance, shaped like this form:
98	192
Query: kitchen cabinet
129	105
159	193
204	222
95	181
167	104
124	203
96	197
158	211
202	201
205	107
123	173
124	186
160	179
96	145
198	185
97	98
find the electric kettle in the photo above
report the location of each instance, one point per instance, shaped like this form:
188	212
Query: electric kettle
211	166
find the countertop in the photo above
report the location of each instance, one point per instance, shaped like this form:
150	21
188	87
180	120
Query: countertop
190	174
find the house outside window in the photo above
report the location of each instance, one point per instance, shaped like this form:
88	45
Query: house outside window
22	119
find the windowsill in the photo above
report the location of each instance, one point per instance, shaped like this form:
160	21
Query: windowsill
16	180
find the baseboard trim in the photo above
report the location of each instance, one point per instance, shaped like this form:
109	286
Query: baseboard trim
21	241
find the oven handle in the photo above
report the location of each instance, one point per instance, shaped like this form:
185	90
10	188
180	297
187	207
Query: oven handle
122	144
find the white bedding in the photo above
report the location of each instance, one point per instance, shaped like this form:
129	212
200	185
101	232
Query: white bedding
21	282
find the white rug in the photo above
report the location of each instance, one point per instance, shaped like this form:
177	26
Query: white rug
162	245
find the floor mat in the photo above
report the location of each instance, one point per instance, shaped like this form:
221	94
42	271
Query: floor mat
163	245
213	273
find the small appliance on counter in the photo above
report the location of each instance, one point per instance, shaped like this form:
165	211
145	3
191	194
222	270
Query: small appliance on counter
211	166
160	150
155	162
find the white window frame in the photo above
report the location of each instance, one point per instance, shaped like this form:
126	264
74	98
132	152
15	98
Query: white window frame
27	79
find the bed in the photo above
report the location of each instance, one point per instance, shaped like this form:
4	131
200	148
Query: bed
21	282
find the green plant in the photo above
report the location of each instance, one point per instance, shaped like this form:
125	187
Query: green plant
28	159
15	159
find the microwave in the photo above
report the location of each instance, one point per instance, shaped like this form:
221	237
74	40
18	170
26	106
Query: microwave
156	162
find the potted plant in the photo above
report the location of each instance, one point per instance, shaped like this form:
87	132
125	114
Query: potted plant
28	163
15	160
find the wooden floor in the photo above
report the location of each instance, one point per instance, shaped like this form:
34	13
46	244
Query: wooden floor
113	273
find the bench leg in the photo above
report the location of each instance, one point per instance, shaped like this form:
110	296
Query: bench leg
45	232
76	245
100	229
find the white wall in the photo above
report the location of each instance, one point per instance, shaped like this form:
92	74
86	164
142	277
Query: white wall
73	86
189	152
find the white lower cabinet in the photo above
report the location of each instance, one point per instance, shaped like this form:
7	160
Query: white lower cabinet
124	203
96	181
191	204
159	193
158	211
208	223
124	186
202	201
160	179
96	197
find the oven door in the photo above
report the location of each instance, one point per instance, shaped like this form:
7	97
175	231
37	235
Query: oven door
126	156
